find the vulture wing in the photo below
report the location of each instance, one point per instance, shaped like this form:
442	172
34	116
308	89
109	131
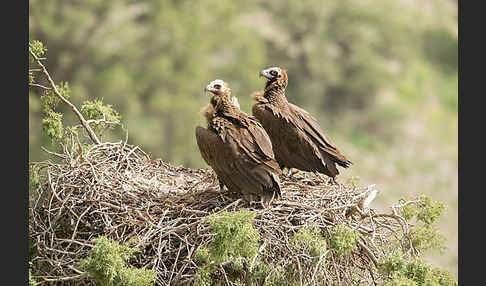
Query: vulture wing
256	173
311	127
261	139
234	156
208	143
215	153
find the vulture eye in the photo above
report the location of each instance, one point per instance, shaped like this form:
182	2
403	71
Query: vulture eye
273	72
217	86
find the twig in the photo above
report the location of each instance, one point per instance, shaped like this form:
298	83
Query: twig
90	131
115	191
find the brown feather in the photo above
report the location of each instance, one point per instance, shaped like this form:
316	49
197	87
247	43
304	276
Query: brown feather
239	150
298	141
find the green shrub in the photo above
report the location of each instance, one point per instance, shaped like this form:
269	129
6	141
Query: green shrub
203	276
52	126
427	238
234	239
343	240
414	272
37	48
401	281
106	265
96	110
34	177
311	240
202	256
234	236
425	210
429	211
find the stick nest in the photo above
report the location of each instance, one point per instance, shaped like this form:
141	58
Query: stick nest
115	189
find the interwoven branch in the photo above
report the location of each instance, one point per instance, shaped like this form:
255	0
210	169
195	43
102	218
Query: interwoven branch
114	189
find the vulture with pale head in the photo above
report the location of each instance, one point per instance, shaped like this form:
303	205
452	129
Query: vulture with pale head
237	147
297	139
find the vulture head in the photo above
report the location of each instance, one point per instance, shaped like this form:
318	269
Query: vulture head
221	94
275	76
217	87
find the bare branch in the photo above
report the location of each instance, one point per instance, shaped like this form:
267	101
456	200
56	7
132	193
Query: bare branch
90	131
117	191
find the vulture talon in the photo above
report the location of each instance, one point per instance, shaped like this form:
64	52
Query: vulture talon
221	185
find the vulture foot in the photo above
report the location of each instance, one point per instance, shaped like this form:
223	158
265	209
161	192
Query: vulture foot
291	172
332	181
221	185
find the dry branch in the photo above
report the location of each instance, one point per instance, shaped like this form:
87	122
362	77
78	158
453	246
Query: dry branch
115	189
53	87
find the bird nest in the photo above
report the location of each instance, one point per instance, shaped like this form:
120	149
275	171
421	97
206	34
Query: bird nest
116	190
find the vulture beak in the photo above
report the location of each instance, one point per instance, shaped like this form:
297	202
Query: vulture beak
265	73
261	74
206	89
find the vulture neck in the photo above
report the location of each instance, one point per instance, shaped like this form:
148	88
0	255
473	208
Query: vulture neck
225	106
275	93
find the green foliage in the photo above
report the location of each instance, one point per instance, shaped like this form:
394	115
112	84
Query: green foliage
429	211
96	110
343	240
409	211
427	238
52	126
394	263
31	77
425	234
401	281
444	277
311	240
106	265
34	176
64	90
350	39
202	255
37	48
425	210
203	276
235	239
407	272
271	275
32	282
49	101
234	235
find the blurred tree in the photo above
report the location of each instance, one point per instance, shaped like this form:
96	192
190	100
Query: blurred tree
150	59
341	53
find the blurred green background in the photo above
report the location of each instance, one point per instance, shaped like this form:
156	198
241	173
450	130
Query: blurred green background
380	76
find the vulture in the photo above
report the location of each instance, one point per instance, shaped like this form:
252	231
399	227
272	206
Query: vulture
297	139
237	147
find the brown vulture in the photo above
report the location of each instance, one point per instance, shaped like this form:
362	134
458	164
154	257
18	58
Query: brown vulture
237	147
297	139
